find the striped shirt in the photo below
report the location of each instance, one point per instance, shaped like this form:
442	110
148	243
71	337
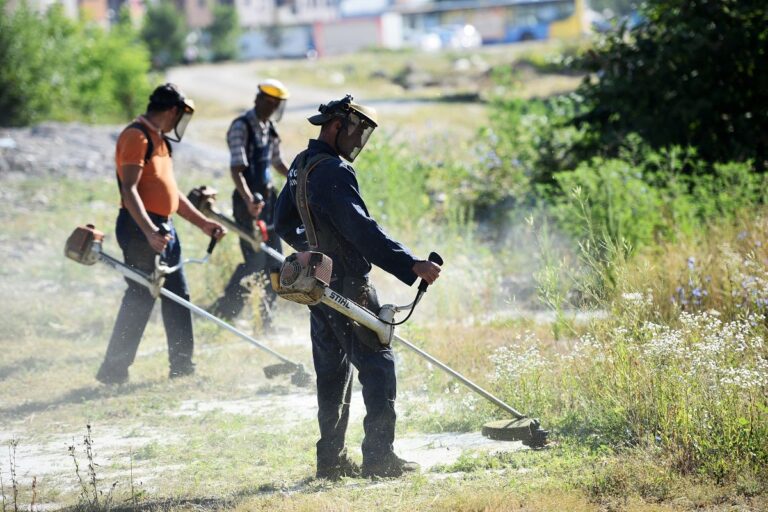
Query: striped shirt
237	140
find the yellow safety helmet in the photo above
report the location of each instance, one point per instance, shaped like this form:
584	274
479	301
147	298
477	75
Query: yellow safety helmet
274	88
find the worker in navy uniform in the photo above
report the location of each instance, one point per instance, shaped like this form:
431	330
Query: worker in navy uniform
323	190
254	147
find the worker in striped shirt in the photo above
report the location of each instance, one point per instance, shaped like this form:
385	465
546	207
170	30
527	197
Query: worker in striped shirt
254	147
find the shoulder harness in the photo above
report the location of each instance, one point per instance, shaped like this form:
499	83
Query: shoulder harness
302	201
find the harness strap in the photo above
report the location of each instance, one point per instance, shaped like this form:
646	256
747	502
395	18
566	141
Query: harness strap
302	201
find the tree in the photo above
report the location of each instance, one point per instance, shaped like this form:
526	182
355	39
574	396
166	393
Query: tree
26	89
694	73
224	32
617	7
164	32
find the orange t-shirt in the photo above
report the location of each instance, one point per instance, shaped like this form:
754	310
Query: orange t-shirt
157	185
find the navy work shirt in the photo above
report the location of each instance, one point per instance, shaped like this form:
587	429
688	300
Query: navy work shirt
335	201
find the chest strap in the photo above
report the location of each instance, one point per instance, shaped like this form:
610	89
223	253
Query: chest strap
302	201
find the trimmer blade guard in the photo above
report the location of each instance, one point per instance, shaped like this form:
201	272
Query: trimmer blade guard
275	370
80	244
527	430
203	198
299	376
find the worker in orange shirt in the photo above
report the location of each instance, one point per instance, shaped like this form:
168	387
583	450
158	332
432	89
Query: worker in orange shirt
149	198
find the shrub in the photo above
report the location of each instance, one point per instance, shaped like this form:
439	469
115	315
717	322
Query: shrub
394	185
27	88
527	143
56	68
612	197
696	390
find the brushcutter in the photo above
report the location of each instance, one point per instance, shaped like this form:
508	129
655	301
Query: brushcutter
84	246
204	199
305	277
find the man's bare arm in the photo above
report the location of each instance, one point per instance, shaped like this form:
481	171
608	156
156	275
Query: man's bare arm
245	192
188	212
281	167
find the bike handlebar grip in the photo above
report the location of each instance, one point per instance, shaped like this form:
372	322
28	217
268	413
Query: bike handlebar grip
257	198
434	258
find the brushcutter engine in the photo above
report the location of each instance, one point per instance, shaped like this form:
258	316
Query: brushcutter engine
203	198
84	245
303	277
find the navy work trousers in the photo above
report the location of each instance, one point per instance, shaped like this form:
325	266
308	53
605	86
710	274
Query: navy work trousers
138	301
337	346
255	263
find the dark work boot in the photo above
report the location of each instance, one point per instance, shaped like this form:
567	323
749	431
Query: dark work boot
344	467
221	309
182	370
389	466
111	375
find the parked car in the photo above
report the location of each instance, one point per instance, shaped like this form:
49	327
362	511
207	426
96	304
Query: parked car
450	37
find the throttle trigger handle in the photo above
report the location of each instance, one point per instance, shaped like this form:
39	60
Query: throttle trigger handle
434	258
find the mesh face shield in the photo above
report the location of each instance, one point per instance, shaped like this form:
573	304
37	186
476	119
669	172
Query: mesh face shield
277	115
269	107
353	135
187	108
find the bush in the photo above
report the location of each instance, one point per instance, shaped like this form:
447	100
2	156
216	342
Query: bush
645	197
114	77
56	68
27	85
611	197
393	184
694	389
528	142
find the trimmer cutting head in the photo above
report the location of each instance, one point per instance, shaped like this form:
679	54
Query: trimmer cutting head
299	376
527	430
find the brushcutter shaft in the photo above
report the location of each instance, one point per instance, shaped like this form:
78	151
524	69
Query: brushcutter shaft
140	278
230	224
385	332
471	385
